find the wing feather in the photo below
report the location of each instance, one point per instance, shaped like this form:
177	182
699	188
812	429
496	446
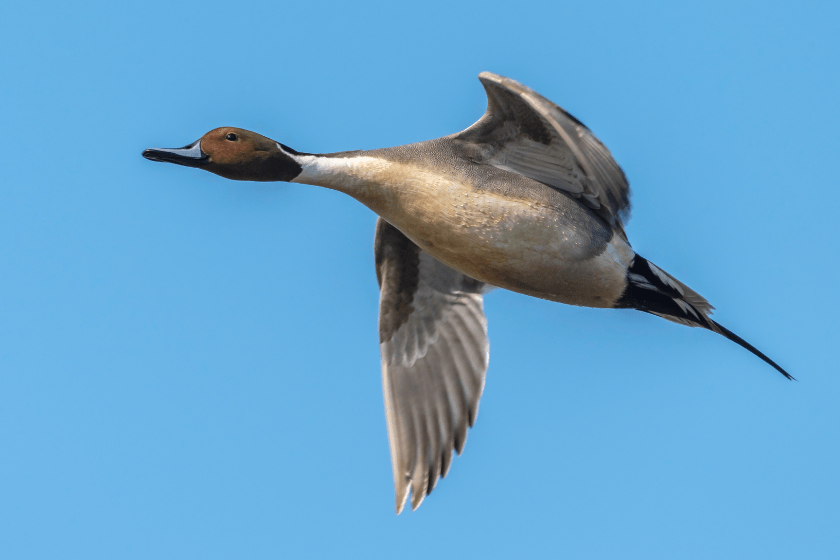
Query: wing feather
525	133
433	340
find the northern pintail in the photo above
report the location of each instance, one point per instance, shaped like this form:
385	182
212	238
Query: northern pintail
526	199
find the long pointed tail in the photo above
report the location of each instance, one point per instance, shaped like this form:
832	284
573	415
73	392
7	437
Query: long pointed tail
652	290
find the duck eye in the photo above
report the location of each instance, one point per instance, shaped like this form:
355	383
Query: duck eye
231	136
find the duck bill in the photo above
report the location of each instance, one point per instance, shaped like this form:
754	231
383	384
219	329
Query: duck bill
189	156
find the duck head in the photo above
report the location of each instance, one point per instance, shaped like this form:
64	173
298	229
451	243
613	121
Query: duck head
234	153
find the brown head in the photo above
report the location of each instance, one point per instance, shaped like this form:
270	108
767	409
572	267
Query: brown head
234	153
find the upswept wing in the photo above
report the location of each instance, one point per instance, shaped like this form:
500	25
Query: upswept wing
526	133
433	340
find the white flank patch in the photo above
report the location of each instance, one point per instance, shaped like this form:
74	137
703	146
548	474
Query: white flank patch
620	251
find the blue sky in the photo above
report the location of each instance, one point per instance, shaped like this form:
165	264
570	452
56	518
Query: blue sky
189	366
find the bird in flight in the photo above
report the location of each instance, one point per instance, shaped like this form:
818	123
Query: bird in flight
526	199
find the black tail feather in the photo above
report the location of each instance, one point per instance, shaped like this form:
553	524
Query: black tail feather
652	290
744	344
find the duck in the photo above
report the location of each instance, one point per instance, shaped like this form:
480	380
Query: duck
526	199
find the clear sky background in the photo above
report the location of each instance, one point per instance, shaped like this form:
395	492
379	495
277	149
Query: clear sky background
189	366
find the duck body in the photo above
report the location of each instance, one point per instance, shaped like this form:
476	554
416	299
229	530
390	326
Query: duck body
526	199
496	226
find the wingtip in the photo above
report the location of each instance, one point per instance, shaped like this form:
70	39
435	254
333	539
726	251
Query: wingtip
401	498
416	500
490	77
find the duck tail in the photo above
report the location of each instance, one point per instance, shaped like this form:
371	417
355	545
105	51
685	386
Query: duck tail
651	289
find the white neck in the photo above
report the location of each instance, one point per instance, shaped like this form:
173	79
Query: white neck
399	192
351	175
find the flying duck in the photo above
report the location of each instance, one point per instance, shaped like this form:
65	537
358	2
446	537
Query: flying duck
525	199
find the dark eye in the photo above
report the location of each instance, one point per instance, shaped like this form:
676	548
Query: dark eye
231	136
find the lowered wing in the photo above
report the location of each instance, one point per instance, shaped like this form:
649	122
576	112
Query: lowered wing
433	340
